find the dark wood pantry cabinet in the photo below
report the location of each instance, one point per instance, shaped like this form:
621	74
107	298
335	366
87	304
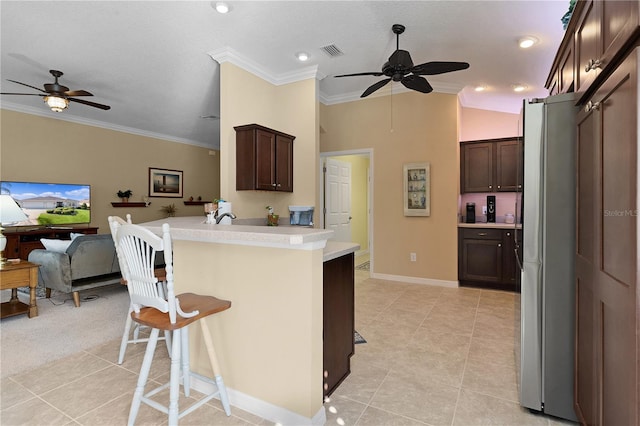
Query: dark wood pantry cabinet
264	159
603	38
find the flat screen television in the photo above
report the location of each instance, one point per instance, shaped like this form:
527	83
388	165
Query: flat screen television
50	204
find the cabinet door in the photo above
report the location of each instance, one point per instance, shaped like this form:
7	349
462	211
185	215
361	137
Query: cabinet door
607	248
587	37
477	167
338	320
265	160
508	158
510	267
617	268
482	260
565	72
12	250
284	164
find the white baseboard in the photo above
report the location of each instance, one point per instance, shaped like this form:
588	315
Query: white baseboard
260	408
416	280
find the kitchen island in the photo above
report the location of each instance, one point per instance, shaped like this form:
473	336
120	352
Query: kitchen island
270	343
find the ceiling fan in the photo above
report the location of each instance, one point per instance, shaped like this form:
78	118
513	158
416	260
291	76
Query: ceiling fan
400	68
58	96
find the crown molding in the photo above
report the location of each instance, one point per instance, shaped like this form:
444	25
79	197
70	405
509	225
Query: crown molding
41	112
228	54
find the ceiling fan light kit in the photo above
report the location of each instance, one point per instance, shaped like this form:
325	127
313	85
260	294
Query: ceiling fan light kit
55	103
57	96
400	68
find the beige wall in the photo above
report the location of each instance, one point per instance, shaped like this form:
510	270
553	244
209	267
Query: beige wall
410	127
478	124
290	108
40	149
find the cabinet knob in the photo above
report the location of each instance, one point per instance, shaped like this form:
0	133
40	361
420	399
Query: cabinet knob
498	186
593	64
519	186
279	185
273	184
499	245
482	234
490	186
591	106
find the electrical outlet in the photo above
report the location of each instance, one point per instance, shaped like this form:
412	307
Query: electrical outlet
484	209
412	257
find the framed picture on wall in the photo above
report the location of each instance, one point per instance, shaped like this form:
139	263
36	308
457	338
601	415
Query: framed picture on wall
416	180
165	183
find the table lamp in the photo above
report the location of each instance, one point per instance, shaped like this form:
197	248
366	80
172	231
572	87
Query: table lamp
10	212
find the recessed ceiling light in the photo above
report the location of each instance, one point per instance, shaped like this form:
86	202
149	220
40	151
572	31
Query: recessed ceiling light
480	88
302	56
519	87
527	42
221	7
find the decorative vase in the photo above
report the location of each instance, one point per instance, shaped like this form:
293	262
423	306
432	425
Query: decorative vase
272	219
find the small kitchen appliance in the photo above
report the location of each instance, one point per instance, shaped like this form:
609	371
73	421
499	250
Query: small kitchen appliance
301	215
471	213
491	209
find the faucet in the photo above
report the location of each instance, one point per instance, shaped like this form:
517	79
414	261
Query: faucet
222	216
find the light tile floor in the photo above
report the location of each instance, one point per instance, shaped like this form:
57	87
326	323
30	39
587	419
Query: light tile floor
434	356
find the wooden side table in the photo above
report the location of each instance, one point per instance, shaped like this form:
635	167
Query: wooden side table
14	275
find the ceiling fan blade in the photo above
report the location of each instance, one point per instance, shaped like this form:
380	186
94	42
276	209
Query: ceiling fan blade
28	85
77	93
93	104
375	87
432	68
376	73
418	83
24	94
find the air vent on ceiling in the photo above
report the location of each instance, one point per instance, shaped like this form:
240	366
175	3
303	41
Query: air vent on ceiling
332	50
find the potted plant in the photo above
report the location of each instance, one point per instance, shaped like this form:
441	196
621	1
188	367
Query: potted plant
170	210
272	219
124	195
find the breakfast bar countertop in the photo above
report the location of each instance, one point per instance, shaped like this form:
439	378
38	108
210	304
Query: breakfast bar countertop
194	228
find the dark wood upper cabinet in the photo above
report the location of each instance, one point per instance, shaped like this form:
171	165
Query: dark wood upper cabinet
264	159
603	29
493	165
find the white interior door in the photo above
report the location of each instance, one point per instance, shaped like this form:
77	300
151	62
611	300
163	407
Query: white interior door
338	199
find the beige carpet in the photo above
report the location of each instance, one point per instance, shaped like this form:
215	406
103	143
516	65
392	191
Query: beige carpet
60	329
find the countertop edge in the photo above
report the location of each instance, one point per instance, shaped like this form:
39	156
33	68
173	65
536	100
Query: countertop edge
491	225
336	249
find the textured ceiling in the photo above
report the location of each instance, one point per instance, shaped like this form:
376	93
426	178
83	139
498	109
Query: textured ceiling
151	61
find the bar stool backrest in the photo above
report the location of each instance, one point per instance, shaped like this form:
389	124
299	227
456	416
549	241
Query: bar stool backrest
137	248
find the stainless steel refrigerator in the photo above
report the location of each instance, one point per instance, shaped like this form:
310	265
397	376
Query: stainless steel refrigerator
547	307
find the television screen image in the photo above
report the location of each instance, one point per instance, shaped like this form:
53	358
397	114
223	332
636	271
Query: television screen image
50	204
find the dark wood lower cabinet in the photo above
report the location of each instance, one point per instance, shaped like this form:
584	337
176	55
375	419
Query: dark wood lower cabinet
486	258
339	320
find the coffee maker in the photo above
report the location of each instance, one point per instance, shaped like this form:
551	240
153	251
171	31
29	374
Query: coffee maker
491	209
471	213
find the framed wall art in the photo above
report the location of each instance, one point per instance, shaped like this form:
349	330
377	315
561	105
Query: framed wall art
416	180
165	183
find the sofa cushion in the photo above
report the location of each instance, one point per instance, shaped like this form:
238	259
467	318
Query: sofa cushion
92	255
59	246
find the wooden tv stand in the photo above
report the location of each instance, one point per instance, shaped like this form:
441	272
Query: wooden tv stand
21	242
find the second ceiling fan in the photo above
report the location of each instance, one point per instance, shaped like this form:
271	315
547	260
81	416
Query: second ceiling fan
400	68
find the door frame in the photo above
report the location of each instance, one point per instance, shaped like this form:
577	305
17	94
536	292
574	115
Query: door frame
366	152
